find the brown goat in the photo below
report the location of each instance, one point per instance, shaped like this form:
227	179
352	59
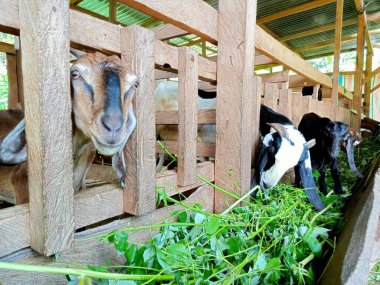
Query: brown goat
103	118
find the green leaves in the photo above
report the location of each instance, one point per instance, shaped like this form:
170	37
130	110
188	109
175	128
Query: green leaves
212	226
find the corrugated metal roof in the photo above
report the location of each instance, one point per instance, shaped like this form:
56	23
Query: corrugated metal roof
289	25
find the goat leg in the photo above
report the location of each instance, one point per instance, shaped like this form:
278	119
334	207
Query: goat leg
322	180
336	176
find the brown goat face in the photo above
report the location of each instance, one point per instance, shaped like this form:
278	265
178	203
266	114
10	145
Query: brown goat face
102	91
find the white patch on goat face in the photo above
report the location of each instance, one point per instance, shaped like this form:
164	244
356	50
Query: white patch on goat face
287	156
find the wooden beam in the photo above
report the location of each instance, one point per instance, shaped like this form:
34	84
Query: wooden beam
13	100
275	50
317	30
88	12
375	88
357	102
367	86
187	110
318	45
337	45
7	48
203	149
360	7
236	31
44	26
282	76
137	46
375	17
298	9
178	12
168	31
112	11
171	117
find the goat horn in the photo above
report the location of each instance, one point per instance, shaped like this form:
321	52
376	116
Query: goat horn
77	53
280	129
310	143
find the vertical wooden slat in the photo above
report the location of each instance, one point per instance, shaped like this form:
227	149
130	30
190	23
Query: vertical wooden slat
188	115
236	35
271	95
44	28
285	102
337	44
297	111
255	117
12	81
357	102
20	84
137	50
112	13
367	88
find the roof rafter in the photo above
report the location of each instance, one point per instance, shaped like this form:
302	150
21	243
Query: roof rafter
295	10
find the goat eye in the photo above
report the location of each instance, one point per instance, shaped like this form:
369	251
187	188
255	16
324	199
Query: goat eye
75	74
136	84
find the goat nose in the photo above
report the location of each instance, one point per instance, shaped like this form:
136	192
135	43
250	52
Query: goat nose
112	123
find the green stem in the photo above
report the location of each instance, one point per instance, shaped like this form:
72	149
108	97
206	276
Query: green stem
82	272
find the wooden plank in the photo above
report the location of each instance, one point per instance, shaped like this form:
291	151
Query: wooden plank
87	249
138	53
337	46
171	117
298	9
168	31
285	102
89	12
13	100
112	13
297	112
255	117
357	101
166	55
360	7
203	149
377	86
236	31
271	93
97	204
45	26
7	48
187	110
367	86
322	29
181	14
281	76
20	81
275	50
14	229
169	179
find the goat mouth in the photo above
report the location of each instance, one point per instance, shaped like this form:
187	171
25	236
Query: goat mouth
106	148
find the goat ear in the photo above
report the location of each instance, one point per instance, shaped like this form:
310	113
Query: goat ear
118	164
13	145
310	143
280	129
76	53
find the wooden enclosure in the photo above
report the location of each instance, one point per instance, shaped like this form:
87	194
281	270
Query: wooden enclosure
48	224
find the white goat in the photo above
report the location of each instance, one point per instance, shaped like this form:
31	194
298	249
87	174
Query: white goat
166	99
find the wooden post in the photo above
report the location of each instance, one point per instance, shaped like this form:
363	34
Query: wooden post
236	51
44	28
20	84
187	113
337	45
357	102
367	86
137	50
112	12
12	81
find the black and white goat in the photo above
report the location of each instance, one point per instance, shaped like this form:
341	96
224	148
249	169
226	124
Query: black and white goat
329	136
281	150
